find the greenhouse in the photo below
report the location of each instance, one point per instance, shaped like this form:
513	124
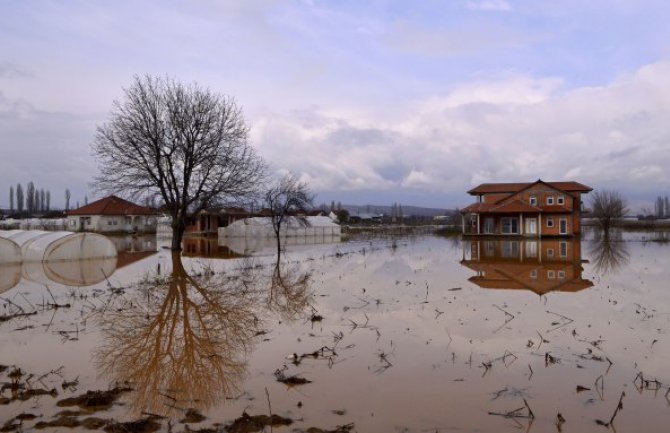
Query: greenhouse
261	227
17	246
73	259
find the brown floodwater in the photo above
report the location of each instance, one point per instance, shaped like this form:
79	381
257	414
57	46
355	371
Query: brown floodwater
415	333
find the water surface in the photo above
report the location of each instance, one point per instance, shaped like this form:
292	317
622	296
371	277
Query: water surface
394	334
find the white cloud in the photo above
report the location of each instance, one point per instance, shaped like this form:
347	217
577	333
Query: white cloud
513	129
417	179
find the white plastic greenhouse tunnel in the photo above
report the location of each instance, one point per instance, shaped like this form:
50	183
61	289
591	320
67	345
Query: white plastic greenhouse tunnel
68	258
292	227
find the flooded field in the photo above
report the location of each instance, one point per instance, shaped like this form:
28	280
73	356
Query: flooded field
405	334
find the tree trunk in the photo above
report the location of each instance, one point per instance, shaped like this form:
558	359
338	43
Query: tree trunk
278	233
178	228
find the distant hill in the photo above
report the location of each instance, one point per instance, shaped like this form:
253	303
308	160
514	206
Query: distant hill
406	210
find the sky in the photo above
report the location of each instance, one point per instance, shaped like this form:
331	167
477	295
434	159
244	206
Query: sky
369	102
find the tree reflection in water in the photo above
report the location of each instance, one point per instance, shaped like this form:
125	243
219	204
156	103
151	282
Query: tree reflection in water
183	340
182	336
608	251
290	292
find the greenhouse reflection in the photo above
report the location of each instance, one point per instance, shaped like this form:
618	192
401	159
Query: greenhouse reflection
76	273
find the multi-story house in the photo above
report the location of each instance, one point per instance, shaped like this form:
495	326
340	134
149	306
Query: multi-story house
525	209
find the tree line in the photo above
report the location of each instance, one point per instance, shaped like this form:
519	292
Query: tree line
662	207
32	200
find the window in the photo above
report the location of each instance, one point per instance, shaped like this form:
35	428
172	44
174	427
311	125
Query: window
551	275
561	200
509	249
533	274
489	249
550	200
489	225
533	200
550	252
563	249
561	275
531	249
509	225
550	221
109	223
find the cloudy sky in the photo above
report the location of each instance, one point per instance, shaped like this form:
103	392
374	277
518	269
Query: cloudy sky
371	102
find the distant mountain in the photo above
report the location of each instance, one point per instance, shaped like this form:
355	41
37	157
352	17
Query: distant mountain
406	210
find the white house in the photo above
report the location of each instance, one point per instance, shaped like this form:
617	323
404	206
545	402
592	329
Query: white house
112	214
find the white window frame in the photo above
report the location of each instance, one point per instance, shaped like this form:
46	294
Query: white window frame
550	200
561	275
510	219
551	275
550	252
533	274
561	200
550	221
566	226
533	200
563	249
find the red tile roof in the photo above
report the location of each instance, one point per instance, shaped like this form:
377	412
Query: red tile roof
112	205
556	209
487	188
514	206
477	207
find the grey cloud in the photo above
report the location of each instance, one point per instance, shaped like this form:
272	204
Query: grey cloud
12	70
49	148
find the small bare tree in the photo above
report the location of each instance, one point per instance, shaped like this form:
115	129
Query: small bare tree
183	143
67	199
608	206
287	196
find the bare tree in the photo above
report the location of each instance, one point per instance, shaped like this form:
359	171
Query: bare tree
11	198
48	201
180	142
67	199
284	197
19	198
608	206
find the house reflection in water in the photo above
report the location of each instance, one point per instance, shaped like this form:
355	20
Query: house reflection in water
202	246
540	266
